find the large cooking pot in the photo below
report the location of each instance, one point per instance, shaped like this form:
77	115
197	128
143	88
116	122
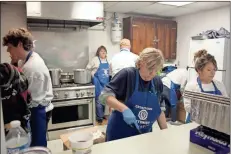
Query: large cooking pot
55	76
67	77
82	76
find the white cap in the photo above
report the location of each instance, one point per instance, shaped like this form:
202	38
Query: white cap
15	124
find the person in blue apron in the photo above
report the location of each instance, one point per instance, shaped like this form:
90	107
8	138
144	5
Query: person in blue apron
21	47
38	121
134	94
100	77
173	82
205	66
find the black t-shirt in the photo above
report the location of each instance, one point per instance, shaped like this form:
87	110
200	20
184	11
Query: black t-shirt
122	84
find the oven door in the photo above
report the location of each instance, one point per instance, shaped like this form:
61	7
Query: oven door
67	114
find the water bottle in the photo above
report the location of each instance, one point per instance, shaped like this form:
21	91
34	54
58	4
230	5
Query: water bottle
17	139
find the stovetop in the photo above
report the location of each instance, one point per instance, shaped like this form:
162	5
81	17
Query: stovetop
73	91
66	85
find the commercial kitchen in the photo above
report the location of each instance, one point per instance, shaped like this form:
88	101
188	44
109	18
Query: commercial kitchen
67	39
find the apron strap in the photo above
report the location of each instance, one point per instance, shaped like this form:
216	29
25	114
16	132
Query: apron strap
153	87
28	56
199	83
100	60
137	80
202	90
215	87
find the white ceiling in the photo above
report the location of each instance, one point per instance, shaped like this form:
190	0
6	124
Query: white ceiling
154	8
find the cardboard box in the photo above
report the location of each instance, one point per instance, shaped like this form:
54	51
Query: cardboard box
209	142
64	137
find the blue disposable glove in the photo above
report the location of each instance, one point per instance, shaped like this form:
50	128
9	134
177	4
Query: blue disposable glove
130	118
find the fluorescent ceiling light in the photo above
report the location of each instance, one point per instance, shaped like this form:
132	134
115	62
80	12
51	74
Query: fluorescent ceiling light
176	3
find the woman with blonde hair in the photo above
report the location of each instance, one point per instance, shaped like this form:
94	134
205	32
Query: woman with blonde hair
206	67
134	94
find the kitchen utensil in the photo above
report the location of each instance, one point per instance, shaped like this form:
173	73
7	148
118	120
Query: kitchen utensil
82	76
55	76
81	142
35	150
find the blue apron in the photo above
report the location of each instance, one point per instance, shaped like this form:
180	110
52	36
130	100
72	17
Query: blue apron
215	92
100	79
38	122
173	99
146	108
38	126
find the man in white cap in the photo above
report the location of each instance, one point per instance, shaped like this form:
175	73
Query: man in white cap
125	58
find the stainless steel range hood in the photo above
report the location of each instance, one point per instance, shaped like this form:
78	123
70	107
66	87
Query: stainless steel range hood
67	15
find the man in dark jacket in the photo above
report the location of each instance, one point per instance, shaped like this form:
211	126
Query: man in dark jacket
15	96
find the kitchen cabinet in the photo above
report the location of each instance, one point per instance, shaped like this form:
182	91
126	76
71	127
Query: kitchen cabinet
149	32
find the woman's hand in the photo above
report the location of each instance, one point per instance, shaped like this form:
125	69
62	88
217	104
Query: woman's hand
128	115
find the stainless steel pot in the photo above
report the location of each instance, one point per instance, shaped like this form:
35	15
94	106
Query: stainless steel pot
55	74
82	76
67	77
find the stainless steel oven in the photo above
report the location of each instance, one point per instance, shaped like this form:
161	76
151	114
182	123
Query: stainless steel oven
74	108
71	113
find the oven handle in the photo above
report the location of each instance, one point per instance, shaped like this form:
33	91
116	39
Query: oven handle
71	104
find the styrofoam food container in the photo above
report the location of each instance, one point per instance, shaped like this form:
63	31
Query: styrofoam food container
81	142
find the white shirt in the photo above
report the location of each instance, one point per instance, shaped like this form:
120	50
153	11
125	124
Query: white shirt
39	79
93	65
193	86
121	60
177	76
